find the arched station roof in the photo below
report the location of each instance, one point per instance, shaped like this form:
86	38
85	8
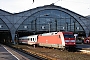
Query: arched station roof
14	21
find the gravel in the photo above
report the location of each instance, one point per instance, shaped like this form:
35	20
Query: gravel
56	53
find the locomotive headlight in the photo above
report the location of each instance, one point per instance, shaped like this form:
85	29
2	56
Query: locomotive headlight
72	40
69	40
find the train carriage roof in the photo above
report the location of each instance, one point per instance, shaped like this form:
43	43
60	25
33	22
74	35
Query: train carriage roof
26	37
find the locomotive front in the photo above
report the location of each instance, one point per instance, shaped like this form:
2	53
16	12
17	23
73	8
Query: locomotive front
69	39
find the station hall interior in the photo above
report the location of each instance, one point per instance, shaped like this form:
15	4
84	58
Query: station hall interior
43	19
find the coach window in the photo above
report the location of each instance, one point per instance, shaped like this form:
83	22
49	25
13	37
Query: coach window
31	39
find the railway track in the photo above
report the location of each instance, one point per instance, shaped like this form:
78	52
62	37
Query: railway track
29	50
51	54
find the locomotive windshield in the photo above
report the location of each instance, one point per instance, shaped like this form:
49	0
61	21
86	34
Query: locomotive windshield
68	35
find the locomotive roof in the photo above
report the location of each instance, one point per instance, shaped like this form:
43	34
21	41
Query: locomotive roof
50	33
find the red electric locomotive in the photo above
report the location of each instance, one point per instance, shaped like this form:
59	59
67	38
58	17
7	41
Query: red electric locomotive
57	39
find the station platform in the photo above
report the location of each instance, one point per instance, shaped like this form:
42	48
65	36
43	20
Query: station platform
85	48
6	54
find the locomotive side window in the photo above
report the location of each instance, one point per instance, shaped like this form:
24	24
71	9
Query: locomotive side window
59	36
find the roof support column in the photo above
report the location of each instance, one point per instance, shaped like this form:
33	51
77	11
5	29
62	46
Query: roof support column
13	36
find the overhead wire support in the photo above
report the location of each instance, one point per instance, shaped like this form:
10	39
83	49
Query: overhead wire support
33	2
56	2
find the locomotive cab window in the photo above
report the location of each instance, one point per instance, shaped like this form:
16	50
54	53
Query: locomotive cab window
68	35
